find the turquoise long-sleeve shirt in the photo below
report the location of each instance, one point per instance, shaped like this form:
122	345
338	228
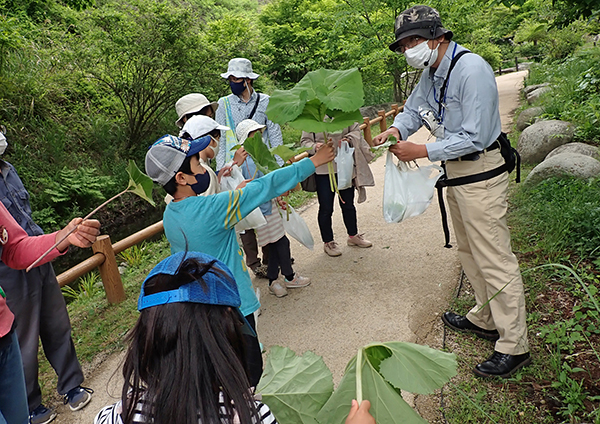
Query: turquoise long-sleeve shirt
471	116
206	223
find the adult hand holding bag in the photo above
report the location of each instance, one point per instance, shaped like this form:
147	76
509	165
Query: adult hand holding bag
407	191
345	165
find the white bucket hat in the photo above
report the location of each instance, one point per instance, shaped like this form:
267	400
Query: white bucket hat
191	103
199	125
246	127
240	68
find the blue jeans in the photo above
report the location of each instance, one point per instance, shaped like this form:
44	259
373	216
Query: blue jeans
13	396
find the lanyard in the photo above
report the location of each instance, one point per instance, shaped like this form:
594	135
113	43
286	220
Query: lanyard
442	102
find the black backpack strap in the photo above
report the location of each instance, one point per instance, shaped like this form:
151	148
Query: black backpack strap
445	84
255	106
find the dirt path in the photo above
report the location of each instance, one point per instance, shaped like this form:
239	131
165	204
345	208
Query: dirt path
395	290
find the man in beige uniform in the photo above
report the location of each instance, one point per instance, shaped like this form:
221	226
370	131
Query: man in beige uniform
466	124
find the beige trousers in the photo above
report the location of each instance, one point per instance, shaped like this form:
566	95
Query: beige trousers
478	213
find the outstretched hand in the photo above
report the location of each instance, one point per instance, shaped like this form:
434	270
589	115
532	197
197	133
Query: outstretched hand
382	138
84	236
360	414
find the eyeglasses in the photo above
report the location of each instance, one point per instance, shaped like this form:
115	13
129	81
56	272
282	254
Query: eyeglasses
408	43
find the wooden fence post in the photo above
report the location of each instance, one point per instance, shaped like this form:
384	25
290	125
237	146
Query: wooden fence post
516	63
395	109
109	272
383	122
367	131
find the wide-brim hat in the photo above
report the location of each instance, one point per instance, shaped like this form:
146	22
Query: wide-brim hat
165	157
246	127
199	125
240	68
420	20
212	288
192	103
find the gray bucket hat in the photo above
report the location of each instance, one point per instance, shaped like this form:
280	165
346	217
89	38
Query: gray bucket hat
240	68
419	20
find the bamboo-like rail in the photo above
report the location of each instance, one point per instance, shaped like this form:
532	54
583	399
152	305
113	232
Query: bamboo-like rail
105	252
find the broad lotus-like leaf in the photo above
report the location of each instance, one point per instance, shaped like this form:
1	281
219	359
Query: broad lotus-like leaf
286	105
341	90
285	152
416	368
336	121
295	387
140	183
387	406
262	156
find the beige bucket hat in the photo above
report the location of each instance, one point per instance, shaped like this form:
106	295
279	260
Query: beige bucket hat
191	103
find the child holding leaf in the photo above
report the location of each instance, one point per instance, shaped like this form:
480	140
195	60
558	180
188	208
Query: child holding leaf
207	223
272	235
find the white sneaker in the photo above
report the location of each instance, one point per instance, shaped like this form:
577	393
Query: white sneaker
297	282
332	248
278	289
359	240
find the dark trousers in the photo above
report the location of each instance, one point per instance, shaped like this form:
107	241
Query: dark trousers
41	314
326	198
254	360
279	257
250	247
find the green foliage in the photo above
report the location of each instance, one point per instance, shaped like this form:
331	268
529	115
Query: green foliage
300	389
72	193
135	255
323	101
88	287
139	183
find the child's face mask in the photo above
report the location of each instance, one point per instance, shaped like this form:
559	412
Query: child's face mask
201	184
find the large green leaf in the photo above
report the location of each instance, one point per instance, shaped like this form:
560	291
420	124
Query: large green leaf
387	406
416	368
336	121
295	387
341	90
262	156
286	105
140	183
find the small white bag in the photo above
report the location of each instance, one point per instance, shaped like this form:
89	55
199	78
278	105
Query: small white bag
296	227
407	191
345	165
255	218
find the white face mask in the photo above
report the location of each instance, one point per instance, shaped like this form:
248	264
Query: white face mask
3	143
421	56
215	149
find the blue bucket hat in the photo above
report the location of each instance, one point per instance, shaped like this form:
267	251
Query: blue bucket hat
215	288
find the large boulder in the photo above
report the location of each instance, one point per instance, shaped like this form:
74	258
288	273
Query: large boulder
581	148
535	94
539	139
528	117
534	87
564	164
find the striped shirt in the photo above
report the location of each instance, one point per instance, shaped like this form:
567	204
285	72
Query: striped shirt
112	414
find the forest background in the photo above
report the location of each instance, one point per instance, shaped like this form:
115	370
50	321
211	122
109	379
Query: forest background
86	85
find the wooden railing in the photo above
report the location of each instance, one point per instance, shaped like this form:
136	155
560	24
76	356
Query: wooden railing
104	257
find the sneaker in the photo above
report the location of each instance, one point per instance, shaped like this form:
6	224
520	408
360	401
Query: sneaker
260	271
297	282
332	249
359	241
41	415
278	289
78	397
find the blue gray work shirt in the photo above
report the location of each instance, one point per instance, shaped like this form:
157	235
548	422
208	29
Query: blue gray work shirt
241	110
470	113
16	199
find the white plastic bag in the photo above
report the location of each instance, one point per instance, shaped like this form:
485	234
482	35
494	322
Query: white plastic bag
296	227
345	165
255	218
407	191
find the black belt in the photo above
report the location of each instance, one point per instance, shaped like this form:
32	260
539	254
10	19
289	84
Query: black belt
475	155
